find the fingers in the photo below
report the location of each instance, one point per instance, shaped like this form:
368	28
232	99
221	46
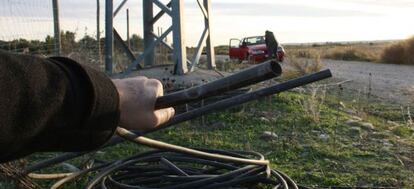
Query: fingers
137	101
163	115
157	85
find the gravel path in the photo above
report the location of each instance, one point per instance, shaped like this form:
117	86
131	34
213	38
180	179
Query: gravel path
391	82
388	81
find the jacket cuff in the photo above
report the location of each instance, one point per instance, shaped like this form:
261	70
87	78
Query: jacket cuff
98	106
105	113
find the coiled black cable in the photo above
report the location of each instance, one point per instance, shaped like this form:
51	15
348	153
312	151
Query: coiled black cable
178	167
164	169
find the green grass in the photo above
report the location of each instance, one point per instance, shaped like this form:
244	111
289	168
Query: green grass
345	158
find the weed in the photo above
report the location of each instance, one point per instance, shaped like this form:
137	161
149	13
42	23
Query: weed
410	119
313	104
403	131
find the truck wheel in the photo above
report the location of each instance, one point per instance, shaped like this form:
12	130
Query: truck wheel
251	59
245	57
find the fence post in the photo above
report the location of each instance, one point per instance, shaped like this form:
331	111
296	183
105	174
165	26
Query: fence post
109	36
98	30
57	45
127	20
148	16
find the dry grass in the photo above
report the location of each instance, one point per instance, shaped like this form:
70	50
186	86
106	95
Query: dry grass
12	172
351	54
399	53
313	105
300	66
306	66
370	52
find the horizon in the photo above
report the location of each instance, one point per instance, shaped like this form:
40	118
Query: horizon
293	22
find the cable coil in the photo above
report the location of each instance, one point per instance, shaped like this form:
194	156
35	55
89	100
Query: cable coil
162	169
180	168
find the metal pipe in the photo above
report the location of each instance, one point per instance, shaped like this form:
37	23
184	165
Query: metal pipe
119	7
160	14
125	47
146	52
261	72
211	57
162	6
199	50
180	51
237	100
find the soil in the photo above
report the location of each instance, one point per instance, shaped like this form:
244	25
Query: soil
391	82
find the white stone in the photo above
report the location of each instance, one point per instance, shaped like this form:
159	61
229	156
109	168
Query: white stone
367	125
264	119
324	137
352	122
269	135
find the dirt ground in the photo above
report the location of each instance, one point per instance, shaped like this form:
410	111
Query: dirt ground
391	82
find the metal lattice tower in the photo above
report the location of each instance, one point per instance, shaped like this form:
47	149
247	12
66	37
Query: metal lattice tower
174	9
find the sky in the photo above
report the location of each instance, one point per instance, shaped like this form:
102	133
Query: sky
292	21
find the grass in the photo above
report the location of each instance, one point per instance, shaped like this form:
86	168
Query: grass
370	52
346	157
343	159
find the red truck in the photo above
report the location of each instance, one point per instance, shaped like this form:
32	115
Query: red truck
252	49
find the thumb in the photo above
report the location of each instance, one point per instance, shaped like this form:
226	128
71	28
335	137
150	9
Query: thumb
164	115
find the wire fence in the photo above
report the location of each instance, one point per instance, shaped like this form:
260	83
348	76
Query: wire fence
18	18
27	26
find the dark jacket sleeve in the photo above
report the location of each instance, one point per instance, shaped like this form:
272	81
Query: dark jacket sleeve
53	104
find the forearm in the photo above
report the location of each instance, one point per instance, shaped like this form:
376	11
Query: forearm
53	105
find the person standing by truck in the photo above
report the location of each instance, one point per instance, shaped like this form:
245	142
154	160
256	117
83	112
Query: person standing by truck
271	44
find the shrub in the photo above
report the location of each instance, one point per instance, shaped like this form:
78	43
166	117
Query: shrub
399	53
349	55
394	54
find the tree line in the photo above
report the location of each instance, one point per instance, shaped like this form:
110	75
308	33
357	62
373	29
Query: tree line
68	44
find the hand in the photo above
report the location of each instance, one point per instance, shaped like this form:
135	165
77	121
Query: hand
137	100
